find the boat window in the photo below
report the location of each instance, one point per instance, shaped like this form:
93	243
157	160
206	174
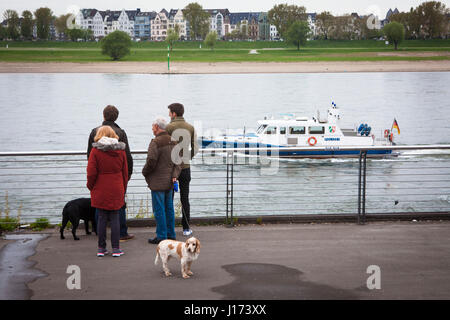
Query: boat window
297	130
282	130
261	128
316	130
271	130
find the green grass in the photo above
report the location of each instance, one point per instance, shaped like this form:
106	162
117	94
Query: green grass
435	43
317	50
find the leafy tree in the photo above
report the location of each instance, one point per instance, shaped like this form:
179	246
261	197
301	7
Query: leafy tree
172	36
324	23
117	45
12	30
432	15
282	16
2	32
61	24
211	39
198	20
395	33
243	27
75	34
297	33
26	28
44	18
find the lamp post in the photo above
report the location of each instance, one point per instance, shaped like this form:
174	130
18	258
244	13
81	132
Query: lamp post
168	58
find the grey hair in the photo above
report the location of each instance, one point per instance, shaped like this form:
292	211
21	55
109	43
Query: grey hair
161	123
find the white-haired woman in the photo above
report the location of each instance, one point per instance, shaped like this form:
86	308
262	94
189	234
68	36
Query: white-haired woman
161	172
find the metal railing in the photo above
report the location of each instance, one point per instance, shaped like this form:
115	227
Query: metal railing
230	185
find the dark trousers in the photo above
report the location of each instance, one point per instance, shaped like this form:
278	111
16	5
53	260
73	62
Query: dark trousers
122	221
184	179
113	217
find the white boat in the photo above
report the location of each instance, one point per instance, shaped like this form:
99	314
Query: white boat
307	133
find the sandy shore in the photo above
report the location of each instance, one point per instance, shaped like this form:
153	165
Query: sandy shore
226	67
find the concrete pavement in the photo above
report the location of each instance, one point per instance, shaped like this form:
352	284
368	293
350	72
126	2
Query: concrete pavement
283	261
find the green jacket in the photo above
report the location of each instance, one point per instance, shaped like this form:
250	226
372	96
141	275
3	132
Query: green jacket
180	123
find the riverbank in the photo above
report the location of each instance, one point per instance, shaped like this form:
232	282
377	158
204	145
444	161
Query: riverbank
226	67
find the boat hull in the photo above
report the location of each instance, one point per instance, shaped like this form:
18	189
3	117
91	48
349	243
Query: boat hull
334	151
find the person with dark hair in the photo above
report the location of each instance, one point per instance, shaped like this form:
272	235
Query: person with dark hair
179	130
110	115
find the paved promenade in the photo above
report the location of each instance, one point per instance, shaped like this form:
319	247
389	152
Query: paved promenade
275	261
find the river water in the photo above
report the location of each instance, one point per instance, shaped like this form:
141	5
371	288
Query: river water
45	112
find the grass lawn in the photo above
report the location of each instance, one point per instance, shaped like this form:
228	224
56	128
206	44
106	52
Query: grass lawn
269	51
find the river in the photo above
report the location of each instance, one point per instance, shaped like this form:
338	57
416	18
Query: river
45	112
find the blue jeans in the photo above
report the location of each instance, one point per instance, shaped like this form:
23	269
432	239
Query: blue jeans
164	214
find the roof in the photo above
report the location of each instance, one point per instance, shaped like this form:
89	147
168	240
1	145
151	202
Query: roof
237	17
165	12
88	13
109	15
224	12
151	14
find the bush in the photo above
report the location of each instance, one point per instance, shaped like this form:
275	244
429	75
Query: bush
8	224
116	45
40	224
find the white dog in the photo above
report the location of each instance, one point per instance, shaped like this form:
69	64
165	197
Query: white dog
186	251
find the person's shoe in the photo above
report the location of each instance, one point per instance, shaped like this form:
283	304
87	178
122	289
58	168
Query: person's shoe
187	232
154	241
117	252
102	252
127	237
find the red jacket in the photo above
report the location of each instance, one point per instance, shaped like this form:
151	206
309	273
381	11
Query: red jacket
107	178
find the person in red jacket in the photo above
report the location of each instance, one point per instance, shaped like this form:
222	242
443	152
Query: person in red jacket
107	178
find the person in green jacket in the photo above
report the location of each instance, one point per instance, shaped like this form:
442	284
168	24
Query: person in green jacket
185	135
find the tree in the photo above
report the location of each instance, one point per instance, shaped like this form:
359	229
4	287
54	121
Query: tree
61	24
282	16
44	18
12	29
26	27
172	36
324	23
2	32
395	33
297	33
211	39
432	15
117	45
75	34
198	20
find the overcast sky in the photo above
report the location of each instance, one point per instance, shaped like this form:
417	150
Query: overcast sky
335	6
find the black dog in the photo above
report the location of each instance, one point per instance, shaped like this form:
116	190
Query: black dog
74	211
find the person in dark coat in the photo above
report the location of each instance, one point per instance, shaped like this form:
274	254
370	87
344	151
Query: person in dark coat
107	179
160	173
110	115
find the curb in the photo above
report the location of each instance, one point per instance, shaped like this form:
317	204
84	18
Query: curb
306	218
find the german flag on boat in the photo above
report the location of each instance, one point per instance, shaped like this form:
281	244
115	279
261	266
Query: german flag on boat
395	125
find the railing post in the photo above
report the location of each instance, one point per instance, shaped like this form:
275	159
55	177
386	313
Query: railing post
362	187
230	171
